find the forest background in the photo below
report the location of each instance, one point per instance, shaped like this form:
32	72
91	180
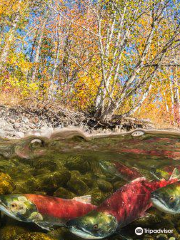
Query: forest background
101	57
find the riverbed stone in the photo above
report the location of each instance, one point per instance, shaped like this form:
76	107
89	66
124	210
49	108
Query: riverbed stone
118	184
64	193
77	163
10	232
77	185
63	234
33	236
97	196
104	185
52	181
6	184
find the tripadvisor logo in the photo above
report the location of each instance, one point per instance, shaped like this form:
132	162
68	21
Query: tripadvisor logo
140	231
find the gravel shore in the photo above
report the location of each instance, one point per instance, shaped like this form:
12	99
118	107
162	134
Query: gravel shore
21	121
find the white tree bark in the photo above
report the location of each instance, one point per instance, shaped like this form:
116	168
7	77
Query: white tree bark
9	40
37	55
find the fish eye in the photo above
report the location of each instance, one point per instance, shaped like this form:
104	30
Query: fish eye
95	227
171	198
13	205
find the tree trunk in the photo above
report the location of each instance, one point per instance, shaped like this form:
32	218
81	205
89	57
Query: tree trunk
172	99
134	109
9	40
52	88
37	55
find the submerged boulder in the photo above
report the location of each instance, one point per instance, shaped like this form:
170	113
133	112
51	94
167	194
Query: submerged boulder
33	236
64	193
104	185
76	184
6	184
77	163
52	181
10	232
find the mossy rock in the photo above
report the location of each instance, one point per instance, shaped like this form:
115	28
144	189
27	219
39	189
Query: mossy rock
148	237
6	184
162	237
48	164
41	171
27	186
97	196
77	163
63	234
64	193
88	179
118	185
104	185
33	236
52	181
9	232
77	185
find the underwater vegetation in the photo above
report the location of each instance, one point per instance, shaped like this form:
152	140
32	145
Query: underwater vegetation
74	167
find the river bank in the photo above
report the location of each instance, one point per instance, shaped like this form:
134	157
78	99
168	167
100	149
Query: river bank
24	120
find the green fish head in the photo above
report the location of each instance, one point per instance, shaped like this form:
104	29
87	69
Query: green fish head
167	199
17	207
95	225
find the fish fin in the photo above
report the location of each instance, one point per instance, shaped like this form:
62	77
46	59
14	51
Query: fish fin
145	215
139	179
83	199
175	174
35	216
44	225
155	174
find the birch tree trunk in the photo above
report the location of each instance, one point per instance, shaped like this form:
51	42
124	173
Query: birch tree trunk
117	32
37	55
172	100
52	87
9	40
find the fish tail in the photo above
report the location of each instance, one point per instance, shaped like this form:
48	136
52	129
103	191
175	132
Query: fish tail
175	174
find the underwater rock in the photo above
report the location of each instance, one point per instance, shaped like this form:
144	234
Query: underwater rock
148	237
88	179
52	181
104	185
64	193
77	163
97	196
118	184
9	232
27	186
41	171
162	237
6	184
76	184
41	163
21	187
63	234
33	236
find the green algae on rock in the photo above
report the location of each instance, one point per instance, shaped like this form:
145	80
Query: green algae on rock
64	193
9	232
105	186
77	185
6	184
77	163
52	181
33	236
63	234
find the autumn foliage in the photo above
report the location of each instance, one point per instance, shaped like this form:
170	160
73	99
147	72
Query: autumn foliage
104	57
